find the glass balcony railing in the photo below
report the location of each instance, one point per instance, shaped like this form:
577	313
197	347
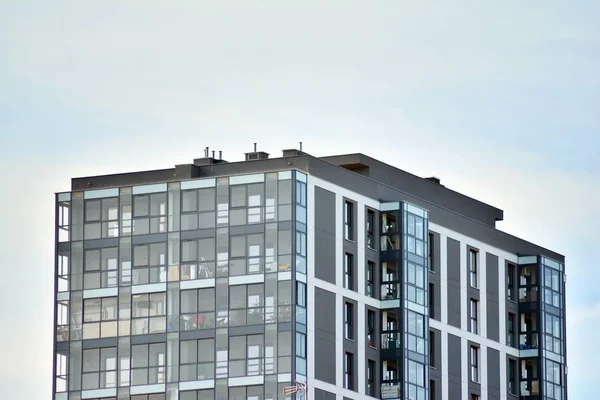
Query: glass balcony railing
528	341
528	295
390	340
530	388
390	291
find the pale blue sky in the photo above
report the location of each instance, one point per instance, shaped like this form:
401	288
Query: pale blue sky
500	99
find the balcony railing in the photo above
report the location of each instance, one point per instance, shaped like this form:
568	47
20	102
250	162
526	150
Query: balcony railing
528	341
390	291
390	340
528	295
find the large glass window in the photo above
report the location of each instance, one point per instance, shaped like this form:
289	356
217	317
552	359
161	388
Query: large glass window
205	394
552	287
101	268
197	359
246	304
512	376
553	330
371	378
246	254
197	309
371	328
149	213
246	354
510	282
553	380
100	317
415	288
149	263
147	364
99	368
101	218
415	332
198	259
148	313
198	209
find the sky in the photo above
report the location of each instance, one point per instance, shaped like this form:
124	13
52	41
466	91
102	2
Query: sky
499	99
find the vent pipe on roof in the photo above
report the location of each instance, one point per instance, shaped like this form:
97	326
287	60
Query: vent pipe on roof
220	154
206	152
255	147
300	146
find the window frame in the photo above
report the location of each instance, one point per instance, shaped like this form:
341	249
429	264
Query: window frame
161	370
102	321
348	320
474	316
150	317
370	279
474	363
348	220
99	371
349	271
348	371
370	229
473	268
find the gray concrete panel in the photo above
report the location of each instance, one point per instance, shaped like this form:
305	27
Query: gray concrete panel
325	319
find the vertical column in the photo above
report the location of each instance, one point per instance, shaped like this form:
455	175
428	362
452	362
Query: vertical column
339	339
464	297
464	365
310	293
445	394
339	240
444	277
502	299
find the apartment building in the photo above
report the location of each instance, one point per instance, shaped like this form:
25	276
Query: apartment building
298	277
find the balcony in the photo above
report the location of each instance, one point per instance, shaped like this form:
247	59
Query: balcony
390	291
390	390
528	345
390	340
528	295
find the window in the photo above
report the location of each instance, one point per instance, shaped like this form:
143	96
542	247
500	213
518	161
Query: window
300	353
99	368
148	313
197	259
149	263
510	330
301	302
349	371
431	301
348	321
415	288
475	397
348	220
415	332
553	380
198	209
246	354
371	328
474	360
552	287
431	389
432	349
473	317
101	268
197	359
512	379
430	253
348	271
156	396
370	229
371	378
205	394
473	268
101	218
100	318
197	308
246	304
553	330
149	213
284	352
284	301
370	287
510	282
147	364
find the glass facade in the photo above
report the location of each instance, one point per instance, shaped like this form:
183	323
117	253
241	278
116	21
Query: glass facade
182	282
404	295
